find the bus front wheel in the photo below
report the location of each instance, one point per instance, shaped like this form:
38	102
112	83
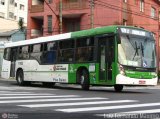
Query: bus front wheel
20	78
84	80
118	88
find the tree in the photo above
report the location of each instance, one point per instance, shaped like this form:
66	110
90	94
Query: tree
21	24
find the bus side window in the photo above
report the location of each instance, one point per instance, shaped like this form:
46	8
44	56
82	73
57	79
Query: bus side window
85	49
49	53
25	54
36	52
66	50
20	53
7	54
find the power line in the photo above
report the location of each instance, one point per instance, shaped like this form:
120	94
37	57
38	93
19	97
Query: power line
50	8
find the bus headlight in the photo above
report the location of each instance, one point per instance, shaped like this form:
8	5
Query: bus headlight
154	74
121	70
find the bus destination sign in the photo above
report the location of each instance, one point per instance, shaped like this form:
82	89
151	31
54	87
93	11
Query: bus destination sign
133	31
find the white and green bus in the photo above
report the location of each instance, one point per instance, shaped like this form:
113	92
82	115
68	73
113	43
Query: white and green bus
107	56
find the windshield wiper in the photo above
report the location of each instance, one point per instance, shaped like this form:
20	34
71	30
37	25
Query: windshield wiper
142	49
136	50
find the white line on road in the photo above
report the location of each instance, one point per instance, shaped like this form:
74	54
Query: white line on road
51	100
10	94
18	97
77	103
107	107
4	92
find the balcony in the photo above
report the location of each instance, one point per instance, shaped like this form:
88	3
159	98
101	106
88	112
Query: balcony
78	5
37	8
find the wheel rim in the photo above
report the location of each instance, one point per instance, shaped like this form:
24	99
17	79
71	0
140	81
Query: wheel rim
19	79
82	79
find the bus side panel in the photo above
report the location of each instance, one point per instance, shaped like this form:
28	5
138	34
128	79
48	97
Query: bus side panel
73	68
6	65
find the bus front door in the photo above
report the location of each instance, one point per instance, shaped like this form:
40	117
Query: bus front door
105	54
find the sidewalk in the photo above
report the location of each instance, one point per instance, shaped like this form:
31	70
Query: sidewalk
10	79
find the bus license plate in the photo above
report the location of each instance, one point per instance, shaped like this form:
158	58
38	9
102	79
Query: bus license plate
142	82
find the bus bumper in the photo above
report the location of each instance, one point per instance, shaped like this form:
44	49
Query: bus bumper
121	79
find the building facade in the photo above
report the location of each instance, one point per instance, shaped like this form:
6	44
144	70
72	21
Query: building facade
14	9
9	36
11	11
49	17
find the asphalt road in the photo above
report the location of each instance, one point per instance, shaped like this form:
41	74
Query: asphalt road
70	102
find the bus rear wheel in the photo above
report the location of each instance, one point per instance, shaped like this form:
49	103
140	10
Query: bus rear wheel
84	80
20	78
118	88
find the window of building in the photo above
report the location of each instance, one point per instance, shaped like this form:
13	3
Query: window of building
15	17
153	12
2	15
11	15
2	2
142	5
21	7
72	25
12	2
50	24
15	4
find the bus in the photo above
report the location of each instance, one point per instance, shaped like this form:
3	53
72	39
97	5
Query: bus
115	56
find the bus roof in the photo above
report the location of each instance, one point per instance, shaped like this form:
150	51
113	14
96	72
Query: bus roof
77	34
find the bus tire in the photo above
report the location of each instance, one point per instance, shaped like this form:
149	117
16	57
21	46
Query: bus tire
20	78
118	88
84	79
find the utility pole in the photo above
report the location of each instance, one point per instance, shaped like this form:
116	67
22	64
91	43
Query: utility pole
60	16
92	13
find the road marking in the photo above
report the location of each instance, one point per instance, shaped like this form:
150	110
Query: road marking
10	94
107	107
78	103
50	100
18	97
4	92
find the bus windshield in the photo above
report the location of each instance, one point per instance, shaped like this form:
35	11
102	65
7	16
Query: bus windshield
137	51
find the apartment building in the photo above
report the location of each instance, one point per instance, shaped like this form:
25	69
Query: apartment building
45	17
11	11
49	17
